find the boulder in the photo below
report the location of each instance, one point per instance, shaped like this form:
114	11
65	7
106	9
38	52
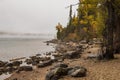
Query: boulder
24	68
34	60
56	73
2	63
17	63
48	54
45	58
51	76
77	72
9	65
56	55
1	70
62	70
11	69
28	61
38	54
72	55
44	64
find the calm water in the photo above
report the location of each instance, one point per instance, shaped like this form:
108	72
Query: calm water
22	46
15	47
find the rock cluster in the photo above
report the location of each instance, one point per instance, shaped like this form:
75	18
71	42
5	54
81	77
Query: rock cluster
9	67
63	70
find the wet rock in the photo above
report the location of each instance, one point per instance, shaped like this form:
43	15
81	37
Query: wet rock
77	72
11	69
34	60
48	53
24	68
17	63
38	54
56	55
72	55
9	65
28	61
2	70
33	57
2	63
45	58
44	64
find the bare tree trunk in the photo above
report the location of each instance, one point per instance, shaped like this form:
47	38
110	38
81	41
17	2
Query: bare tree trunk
109	30
117	35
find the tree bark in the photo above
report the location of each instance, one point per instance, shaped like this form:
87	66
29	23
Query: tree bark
109	30
117	35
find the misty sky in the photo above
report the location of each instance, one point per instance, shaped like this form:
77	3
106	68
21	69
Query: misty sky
33	16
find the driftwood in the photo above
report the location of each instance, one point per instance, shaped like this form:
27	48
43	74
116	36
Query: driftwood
16	59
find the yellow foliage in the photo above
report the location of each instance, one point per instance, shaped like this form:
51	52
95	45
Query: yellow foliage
83	21
75	21
59	27
85	29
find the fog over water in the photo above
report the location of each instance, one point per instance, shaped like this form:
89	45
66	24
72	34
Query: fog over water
33	16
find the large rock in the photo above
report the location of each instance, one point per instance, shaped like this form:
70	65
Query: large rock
51	76
17	63
28	61
24	68
62	70
11	69
2	70
77	72
34	60
2	63
72	55
57	55
9	65
45	58
56	73
44	64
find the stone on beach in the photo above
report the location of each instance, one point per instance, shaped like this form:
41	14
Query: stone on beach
62	69
44	64
56	73
72	55
2	63
24	68
77	72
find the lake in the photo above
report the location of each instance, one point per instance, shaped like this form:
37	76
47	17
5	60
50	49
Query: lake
12	46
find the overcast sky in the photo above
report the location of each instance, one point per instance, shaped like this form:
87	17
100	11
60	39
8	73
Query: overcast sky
33	16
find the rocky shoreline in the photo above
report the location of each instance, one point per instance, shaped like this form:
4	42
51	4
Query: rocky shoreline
55	65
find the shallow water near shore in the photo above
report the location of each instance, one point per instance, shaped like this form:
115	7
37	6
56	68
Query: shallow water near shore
16	47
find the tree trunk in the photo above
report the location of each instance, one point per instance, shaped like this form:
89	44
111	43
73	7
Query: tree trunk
109	30
117	35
